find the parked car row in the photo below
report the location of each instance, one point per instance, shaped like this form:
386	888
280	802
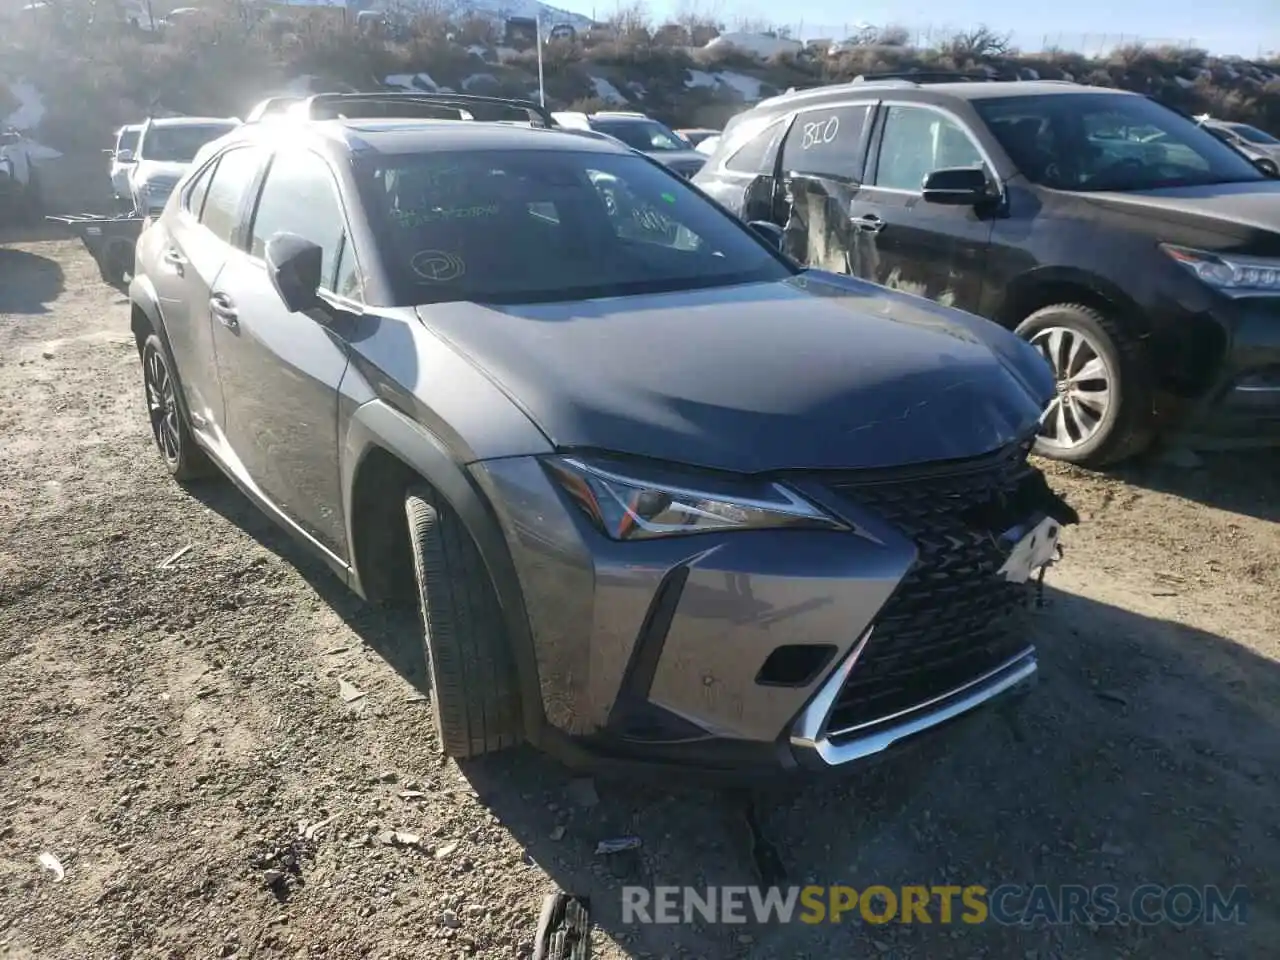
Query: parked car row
1135	250
1258	145
147	158
662	493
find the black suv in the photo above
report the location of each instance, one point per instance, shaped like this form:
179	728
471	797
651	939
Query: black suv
1139	253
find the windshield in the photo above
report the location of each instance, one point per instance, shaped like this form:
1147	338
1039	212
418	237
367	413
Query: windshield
180	144
540	226
1253	134
128	140
1100	141
646	136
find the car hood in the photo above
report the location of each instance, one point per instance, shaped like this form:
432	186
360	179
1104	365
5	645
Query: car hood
816	372
1245	210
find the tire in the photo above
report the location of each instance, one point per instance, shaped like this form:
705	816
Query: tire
1112	413
473	690
182	456
115	262
564	929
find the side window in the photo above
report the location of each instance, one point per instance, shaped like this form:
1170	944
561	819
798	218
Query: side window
758	153
300	196
198	188
827	142
916	142
1117	140
348	280
230	184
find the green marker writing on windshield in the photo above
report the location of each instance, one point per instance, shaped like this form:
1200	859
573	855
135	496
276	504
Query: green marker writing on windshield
669	197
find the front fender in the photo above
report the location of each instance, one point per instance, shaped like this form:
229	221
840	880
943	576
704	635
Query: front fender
1132	314
375	425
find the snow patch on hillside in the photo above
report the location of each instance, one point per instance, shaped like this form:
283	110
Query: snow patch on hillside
30	112
28	116
756	43
412	82
746	87
606	91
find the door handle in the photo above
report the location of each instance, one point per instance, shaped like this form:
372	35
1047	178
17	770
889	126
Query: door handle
174	259
867	223
220	306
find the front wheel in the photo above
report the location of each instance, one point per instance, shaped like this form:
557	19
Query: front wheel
1102	410
469	665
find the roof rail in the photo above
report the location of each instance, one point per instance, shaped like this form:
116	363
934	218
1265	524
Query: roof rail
331	104
903	78
918	77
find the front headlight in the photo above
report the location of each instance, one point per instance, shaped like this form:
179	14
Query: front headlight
1234	275
664	503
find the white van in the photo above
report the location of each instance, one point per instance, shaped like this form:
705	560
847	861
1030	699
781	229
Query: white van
123	159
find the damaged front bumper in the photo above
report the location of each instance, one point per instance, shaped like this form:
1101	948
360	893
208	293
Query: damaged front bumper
815	745
1242	407
750	652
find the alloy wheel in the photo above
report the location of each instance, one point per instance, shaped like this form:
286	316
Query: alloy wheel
162	405
1083	382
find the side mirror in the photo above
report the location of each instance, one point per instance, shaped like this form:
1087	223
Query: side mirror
294	266
124	156
957	186
771	233
1268	167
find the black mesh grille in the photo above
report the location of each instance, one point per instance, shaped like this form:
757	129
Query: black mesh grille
948	622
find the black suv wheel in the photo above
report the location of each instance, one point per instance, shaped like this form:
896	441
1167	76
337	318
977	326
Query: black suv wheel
1103	409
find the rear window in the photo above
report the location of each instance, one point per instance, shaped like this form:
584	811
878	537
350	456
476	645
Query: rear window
760	151
530	226
1253	134
181	144
646	136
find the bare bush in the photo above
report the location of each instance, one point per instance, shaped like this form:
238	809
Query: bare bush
980	43
228	56
700	27
893	36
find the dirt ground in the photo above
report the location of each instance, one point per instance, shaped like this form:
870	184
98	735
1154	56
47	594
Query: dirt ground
172	732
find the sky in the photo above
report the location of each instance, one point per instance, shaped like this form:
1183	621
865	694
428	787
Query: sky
1242	27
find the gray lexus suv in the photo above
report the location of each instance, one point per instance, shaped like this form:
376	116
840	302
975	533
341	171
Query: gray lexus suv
662	496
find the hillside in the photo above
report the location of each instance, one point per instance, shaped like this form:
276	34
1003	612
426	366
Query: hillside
226	60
